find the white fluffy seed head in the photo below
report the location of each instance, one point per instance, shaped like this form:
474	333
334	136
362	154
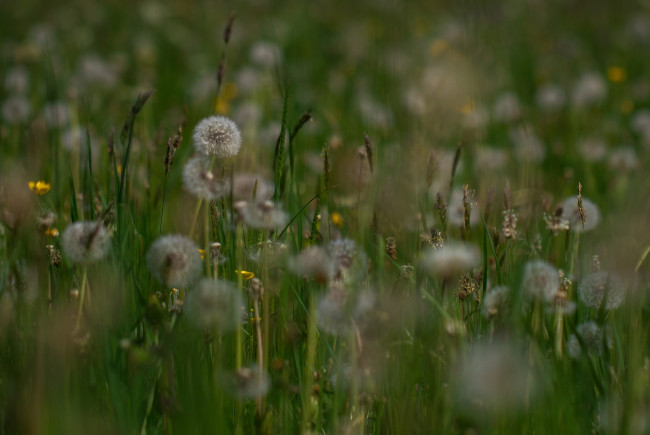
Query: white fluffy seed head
495	302
450	260
495	376
541	280
594	287
571	212
217	136
174	260
314	262
215	305
592	337
202	182
85	242
247	383
243	186
262	215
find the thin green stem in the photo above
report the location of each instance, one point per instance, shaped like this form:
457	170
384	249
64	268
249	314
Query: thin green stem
82	296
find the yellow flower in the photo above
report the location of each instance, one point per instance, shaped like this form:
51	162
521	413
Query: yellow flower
52	232
627	106
39	187
337	219
202	252
222	103
246	275
438	47
616	74
468	107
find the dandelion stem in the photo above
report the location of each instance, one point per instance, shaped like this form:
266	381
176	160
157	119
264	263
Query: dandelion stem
308	375
260	354
196	217
81	296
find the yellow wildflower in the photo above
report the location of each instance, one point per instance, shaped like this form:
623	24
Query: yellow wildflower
39	187
52	232
337	219
246	275
616	74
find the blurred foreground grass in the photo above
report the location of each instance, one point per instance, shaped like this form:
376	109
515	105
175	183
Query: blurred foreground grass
426	280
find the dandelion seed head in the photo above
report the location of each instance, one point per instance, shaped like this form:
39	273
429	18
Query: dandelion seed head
343	251
490	159
571	212
592	337
528	147
541	280
494	376
213	304
244	186
174	260
16	109
247	383
200	181
262	215
17	80
265	54
507	107
589	90
592	149
314	262
56	114
338	309
593	287
495	302
217	136
85	242
450	260
623	159
550	97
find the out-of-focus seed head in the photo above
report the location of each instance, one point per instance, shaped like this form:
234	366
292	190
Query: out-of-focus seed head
571	212
217	136
315	263
174	260
247	383
450	260
244	185
593	288
264	215
202	182
495	302
592	337
214	304
494	377
85	242
541	280
338	309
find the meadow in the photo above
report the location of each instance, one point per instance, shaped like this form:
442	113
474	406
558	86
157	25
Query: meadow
324	217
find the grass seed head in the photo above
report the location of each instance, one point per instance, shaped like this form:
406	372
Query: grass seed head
571	211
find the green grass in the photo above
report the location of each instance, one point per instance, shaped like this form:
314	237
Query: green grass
409	76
